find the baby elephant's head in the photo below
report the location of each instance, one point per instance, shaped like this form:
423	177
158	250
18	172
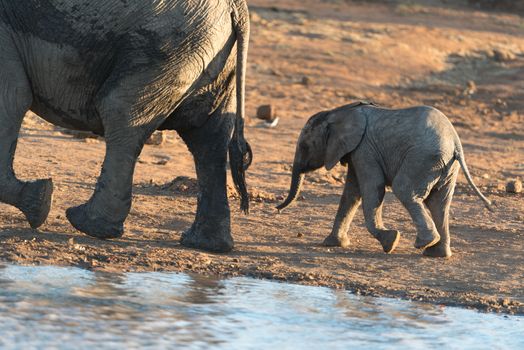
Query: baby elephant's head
324	140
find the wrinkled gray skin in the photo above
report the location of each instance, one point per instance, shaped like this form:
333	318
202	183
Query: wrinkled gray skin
123	69
412	150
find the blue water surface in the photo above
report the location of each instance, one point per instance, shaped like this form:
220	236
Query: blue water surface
71	308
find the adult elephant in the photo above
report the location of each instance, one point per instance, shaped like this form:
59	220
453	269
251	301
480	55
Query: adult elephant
123	69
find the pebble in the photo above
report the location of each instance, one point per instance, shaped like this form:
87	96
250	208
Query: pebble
471	88
306	81
157	139
267	112
514	186
503	55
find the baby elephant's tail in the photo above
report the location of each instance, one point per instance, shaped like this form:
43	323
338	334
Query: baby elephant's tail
459	155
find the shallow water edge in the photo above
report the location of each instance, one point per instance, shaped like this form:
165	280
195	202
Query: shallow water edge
59	306
468	299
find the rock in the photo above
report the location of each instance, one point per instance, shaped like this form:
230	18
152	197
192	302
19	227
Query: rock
272	124
306	81
514	186
157	139
182	184
471	88
267	113
90	140
503	55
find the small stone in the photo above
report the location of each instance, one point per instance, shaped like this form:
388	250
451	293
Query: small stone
79	247
501	103
162	161
514	186
71	241
90	140
157	139
267	113
306	81
471	88
503	55
501	187
272	123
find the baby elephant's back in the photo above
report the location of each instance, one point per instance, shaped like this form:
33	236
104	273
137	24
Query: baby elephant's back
422	131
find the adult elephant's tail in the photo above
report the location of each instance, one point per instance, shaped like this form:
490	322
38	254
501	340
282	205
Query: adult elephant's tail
240	154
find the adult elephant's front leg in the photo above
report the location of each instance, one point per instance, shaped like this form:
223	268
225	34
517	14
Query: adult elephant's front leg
211	229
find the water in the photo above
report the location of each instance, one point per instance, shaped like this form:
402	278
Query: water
54	307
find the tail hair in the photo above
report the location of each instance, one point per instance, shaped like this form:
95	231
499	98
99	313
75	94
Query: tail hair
240	153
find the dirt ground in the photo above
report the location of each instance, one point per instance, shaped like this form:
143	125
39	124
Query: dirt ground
309	55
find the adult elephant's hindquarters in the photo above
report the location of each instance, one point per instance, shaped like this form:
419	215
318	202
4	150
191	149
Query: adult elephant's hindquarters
123	69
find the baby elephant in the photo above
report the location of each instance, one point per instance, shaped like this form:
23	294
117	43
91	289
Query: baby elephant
412	150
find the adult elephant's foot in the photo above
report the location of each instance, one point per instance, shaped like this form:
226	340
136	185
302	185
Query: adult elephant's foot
427	240
438	251
212	240
95	226
35	201
335	241
389	240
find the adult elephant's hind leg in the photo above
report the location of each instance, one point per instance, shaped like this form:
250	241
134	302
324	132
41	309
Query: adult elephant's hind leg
211	229
32	198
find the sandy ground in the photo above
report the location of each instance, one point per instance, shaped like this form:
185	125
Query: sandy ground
466	62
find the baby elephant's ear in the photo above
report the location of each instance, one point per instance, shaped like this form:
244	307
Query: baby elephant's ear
345	131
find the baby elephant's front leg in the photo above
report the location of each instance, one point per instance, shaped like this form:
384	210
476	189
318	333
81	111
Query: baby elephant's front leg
347	208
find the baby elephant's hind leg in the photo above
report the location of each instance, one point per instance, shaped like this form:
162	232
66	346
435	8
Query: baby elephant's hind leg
32	198
412	198
373	188
439	202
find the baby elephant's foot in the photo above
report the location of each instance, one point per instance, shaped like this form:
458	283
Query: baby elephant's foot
438	251
427	240
85	221
335	241
36	201
389	240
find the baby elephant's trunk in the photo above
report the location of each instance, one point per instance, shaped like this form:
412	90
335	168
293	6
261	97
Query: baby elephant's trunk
296	185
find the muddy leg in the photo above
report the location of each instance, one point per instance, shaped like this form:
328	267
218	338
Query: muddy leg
347	208
427	234
373	189
439	202
104	214
211	229
32	198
